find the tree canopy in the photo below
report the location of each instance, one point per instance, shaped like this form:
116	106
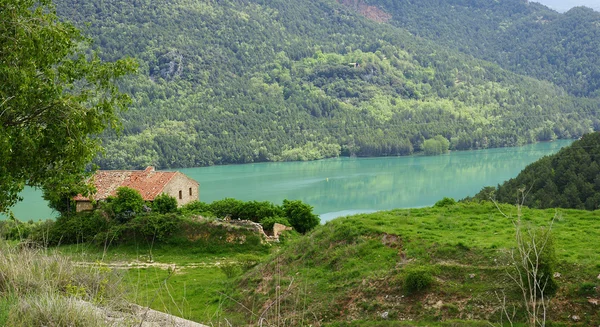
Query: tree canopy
55	99
567	179
271	80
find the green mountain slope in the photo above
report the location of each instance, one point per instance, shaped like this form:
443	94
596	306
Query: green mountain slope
270	80
521	36
567	179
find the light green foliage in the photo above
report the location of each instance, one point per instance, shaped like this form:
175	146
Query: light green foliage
164	203
55	99
300	215
436	145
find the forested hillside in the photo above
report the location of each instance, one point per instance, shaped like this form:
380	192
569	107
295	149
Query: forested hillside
568	179
521	36
270	80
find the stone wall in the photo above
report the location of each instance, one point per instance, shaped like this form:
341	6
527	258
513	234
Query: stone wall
83	206
183	188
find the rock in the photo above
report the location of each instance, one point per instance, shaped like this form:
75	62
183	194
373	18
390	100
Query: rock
471	276
385	315
556	275
575	318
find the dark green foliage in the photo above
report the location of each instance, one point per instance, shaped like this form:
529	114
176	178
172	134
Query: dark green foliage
256	211
276	85
127	204
77	228
153	227
587	289
524	37
445	202
567	179
417	280
164	203
268	222
300	215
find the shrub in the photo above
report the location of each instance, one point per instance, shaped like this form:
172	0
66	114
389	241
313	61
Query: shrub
587	289
300	215
256	211
155	227
417	281
76	228
196	207
164	203
127	204
226	207
230	269
445	202
268	222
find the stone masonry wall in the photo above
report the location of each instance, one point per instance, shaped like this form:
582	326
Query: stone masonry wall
182	188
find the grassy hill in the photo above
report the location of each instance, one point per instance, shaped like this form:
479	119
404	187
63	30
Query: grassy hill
448	265
360	270
247	81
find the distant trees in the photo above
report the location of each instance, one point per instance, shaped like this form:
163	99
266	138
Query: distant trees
567	179
436	145
279	86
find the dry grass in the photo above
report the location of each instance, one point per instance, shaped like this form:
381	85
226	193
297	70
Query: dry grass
40	289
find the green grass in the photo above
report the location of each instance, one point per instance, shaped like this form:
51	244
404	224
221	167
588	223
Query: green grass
356	267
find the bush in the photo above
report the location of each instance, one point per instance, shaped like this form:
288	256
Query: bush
445	202
256	211
127	204
226	207
230	269
155	227
417	281
268	222
300	215
76	228
164	203
196	207
587	289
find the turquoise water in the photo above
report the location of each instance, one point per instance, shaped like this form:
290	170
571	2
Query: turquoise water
343	186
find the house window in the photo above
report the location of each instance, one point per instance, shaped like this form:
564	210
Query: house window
190	191
180	195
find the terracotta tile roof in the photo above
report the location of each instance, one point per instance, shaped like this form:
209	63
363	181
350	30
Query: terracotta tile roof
148	182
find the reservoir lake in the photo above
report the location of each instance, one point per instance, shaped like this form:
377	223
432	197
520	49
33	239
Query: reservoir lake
344	186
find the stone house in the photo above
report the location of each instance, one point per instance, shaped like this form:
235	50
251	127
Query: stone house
148	182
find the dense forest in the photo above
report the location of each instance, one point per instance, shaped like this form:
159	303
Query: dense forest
521	36
239	81
567	179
